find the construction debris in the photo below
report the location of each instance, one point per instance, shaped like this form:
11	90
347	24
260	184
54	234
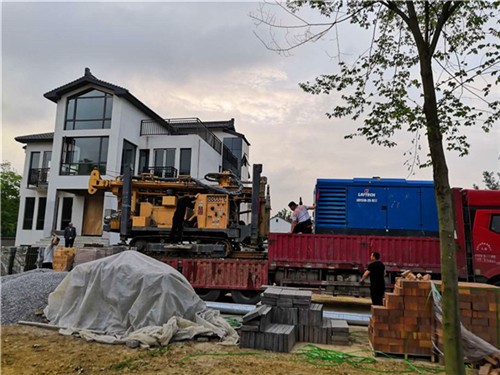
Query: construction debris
287	316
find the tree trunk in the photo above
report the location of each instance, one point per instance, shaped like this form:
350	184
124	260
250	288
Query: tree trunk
454	362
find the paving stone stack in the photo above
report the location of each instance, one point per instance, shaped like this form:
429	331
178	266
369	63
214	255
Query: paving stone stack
406	323
287	316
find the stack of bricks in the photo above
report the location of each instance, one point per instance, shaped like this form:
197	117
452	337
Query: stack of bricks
63	258
479	308
406	323
287	316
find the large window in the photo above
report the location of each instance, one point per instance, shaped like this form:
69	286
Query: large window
143	161
91	110
185	161
164	162
40	216
67	212
29	211
81	155
34	170
231	156
128	156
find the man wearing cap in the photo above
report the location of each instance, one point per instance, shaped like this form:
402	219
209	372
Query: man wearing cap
69	235
301	221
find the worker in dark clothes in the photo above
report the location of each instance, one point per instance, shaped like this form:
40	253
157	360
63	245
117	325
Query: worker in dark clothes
69	235
376	271
183	204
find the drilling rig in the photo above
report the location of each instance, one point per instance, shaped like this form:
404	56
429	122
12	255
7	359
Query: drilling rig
214	228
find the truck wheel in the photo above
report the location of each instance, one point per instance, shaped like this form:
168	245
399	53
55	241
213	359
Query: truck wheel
208	294
245	297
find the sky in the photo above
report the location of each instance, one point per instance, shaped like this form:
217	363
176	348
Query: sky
203	60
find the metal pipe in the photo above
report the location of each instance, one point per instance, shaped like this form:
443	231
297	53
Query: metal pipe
237	309
254	236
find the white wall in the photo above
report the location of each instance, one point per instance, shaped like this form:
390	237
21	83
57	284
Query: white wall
204	159
29	236
278	225
125	125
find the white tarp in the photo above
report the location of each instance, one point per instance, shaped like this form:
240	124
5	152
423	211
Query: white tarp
132	293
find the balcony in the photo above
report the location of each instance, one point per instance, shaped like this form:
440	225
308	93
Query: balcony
38	177
181	126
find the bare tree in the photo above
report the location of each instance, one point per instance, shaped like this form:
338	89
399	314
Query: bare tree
425	62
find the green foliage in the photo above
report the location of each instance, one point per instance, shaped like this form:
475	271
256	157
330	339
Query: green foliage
490	181
285	215
10	183
383	87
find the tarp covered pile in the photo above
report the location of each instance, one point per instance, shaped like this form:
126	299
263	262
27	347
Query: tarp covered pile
130	296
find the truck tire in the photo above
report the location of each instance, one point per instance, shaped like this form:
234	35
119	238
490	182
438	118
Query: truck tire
245	297
208	294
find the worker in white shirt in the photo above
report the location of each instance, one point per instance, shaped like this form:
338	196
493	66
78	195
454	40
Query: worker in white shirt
46	256
301	221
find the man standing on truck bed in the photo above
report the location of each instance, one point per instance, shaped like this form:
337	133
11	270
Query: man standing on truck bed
301	221
376	271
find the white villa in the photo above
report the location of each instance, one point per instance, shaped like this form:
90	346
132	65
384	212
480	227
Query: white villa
99	124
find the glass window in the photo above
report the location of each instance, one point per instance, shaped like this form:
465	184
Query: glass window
81	155
35	160
29	210
143	161
164	162
34	171
40	217
90	110
67	212
495	223
128	156
185	161
47	158
231	156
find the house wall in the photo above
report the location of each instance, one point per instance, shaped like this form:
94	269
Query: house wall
278	225
125	125
204	159
28	236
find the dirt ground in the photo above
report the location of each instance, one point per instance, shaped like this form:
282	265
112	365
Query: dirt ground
31	350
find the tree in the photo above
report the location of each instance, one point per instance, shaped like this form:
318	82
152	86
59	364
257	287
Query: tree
490	181
423	60
10	182
285	215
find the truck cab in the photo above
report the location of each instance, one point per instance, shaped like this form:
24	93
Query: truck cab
478	232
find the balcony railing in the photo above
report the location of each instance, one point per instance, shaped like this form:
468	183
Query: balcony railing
81	169
38	177
181	126
162	172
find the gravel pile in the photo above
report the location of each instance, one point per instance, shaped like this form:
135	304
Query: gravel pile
25	293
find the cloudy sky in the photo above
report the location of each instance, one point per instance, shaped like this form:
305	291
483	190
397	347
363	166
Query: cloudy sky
203	60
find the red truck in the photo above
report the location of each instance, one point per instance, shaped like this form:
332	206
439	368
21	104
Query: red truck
394	217
335	262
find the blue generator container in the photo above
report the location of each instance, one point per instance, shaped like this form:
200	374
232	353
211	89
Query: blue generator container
373	206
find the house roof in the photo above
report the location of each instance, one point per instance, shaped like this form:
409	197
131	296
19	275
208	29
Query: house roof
32	138
88	78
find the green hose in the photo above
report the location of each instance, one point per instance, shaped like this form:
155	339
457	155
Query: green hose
326	357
